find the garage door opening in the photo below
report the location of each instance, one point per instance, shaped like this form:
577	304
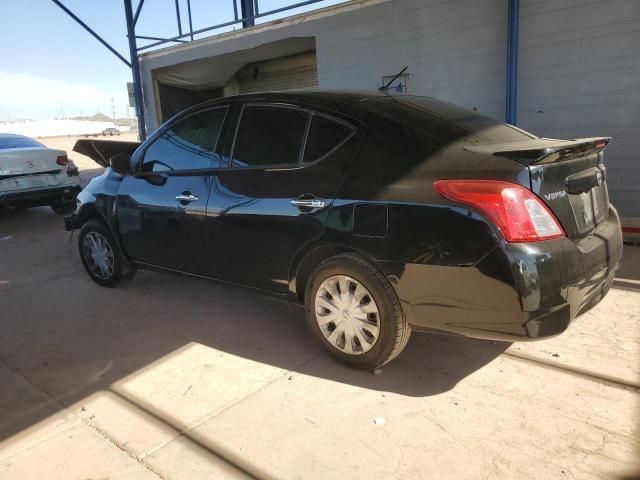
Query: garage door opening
288	64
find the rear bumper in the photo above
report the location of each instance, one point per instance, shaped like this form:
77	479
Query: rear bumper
518	292
41	196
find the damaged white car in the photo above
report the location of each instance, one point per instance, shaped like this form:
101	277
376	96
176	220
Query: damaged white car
32	174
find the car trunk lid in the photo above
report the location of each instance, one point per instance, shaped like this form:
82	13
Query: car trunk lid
17	162
100	151
568	175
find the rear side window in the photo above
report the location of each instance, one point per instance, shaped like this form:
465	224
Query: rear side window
19	142
189	144
269	135
324	136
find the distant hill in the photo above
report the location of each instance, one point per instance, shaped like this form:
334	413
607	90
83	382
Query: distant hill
101	117
15	120
98	117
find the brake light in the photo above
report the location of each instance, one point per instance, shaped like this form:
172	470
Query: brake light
62	160
519	214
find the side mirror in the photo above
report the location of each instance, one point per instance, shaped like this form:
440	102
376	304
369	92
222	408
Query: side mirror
121	163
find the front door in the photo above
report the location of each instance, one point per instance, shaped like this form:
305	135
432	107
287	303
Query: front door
161	209
285	169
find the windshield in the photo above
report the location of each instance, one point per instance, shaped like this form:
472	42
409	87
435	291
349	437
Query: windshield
18	142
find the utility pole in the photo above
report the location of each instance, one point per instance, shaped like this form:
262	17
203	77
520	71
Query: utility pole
113	112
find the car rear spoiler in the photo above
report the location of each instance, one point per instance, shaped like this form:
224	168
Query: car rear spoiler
101	151
543	150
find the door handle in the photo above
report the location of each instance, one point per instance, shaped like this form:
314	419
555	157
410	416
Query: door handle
186	197
308	203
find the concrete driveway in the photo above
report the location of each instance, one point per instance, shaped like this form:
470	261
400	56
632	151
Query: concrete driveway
174	377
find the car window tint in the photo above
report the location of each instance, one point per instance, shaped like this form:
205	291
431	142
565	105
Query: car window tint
324	136
18	142
269	136
188	144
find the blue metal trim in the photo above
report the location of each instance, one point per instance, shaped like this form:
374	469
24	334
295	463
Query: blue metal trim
248	13
511	115
190	21
178	17
135	69
137	14
88	29
233	22
147	37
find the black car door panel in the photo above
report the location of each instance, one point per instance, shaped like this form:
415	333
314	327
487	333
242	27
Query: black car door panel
161	210
259	215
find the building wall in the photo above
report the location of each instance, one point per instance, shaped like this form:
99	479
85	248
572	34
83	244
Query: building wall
579	76
579	63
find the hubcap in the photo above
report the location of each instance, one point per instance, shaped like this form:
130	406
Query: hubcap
347	314
98	255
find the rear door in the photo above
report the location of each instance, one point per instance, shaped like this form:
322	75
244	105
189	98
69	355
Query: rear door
285	166
161	209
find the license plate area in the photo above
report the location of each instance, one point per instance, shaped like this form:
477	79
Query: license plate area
589	208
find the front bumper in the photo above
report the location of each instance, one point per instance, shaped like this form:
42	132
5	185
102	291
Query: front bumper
70	222
40	196
520	291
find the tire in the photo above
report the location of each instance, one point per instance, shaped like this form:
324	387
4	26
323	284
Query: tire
367	348
112	268
64	208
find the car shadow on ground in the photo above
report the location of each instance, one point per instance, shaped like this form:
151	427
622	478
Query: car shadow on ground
70	338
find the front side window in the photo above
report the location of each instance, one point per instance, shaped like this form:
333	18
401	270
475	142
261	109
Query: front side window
189	144
269	135
324	136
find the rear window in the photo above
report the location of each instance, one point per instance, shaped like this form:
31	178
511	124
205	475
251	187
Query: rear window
472	127
18	142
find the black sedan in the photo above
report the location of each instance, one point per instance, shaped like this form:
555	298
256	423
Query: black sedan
382	214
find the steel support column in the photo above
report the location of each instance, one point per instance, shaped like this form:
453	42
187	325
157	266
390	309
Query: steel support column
135	69
248	12
511	115
90	30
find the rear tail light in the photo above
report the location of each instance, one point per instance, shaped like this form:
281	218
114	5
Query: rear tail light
517	212
62	160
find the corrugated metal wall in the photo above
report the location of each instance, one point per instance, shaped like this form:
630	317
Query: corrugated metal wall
580	76
288	73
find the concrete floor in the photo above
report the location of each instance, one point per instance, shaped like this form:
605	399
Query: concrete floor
173	377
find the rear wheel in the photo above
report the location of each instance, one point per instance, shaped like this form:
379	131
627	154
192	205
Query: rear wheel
354	312
101	255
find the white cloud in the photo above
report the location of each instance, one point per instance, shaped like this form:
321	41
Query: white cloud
39	96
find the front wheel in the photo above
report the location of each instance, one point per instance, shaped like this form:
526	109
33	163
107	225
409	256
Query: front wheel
101	256
354	312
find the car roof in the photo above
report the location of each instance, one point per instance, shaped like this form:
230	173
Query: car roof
314	96
13	135
359	104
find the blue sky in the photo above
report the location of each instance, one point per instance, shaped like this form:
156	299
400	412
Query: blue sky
49	64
